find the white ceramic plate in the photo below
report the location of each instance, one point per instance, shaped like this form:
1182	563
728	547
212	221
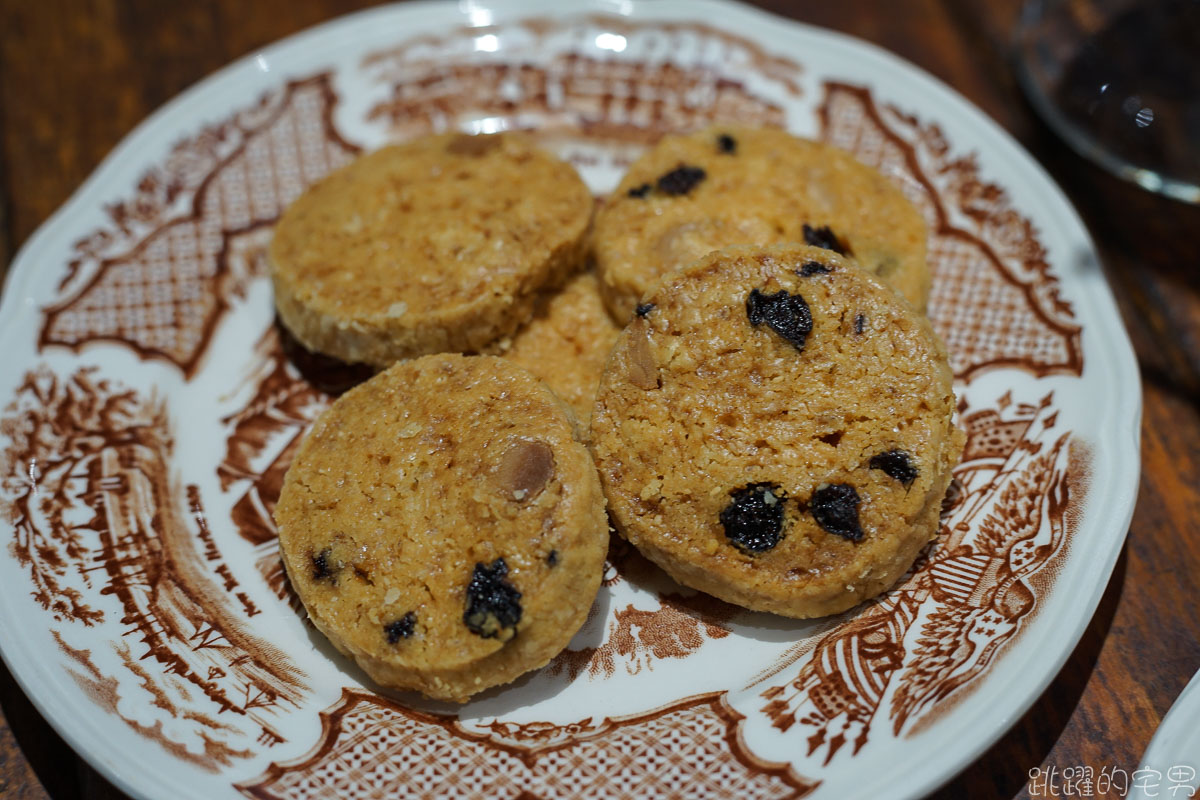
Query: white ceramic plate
149	411
1171	764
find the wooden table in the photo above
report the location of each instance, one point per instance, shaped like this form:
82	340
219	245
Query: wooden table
76	77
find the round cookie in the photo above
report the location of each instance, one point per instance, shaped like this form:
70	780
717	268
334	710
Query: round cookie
692	194
567	343
775	428
443	526
436	245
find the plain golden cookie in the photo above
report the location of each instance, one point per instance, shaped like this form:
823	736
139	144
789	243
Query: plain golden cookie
443	526
441	244
567	343
692	194
775	428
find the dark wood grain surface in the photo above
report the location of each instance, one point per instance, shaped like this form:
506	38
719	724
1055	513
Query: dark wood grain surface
75	77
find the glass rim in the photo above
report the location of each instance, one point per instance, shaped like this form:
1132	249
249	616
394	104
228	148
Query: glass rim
1078	138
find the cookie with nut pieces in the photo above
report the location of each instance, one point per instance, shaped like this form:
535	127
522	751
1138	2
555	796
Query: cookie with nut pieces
775	428
729	185
443	525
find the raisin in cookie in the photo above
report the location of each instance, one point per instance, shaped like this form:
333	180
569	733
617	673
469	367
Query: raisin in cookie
776	429
440	244
567	343
443	526
725	186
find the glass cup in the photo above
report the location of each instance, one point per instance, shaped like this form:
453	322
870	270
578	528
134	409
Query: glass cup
1119	80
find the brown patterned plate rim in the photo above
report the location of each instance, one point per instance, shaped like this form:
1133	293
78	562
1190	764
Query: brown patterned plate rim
1102	343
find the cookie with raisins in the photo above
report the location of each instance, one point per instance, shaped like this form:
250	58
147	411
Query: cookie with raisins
443	525
440	244
692	194
778	430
